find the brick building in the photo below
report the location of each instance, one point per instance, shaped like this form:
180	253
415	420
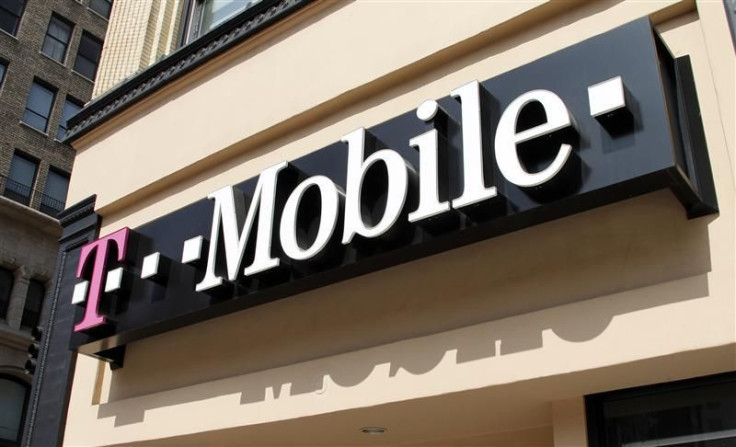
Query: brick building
49	52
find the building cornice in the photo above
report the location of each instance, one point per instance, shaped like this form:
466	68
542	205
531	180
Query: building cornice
77	211
179	63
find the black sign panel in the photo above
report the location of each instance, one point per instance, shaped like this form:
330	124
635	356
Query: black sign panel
630	118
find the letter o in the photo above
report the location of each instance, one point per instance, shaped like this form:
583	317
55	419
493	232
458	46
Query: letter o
330	198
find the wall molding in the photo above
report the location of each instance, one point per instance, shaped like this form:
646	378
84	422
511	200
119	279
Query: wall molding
181	62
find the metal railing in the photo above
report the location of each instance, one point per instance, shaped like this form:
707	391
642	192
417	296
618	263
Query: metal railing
30	197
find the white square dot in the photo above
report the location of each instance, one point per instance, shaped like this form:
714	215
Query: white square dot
80	292
150	265
192	249
114	279
606	96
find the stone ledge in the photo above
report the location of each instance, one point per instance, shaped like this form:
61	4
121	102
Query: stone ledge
14	338
26	215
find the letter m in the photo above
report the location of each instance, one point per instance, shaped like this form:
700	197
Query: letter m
228	213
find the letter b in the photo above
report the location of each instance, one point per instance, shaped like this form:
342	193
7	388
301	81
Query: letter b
398	183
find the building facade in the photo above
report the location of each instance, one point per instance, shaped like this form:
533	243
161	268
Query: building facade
385	223
144	32
48	56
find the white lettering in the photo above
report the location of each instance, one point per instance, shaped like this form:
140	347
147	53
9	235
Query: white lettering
228	213
329	209
507	157
474	188
397	187
429	200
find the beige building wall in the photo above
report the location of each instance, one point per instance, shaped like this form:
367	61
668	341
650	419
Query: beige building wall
460	348
141	32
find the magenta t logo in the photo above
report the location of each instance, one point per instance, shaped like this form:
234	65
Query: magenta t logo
100	247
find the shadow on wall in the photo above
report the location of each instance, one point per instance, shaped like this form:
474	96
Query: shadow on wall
492	299
503	413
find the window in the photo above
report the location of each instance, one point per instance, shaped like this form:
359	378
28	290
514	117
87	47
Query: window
57	38
34	301
12	409
10	13
38	108
3	69
215	12
19	184
54	194
88	56
101	7
208	14
71	108
695	413
6	286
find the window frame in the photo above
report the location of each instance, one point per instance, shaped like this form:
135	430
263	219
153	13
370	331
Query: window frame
14	33
220	21
4	305
86	34
4	74
64	21
37	318
31	159
109	2
594	404
26	400
61	173
54	91
194	16
72	100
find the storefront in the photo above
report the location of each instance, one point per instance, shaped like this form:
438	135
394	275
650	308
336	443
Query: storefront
384	223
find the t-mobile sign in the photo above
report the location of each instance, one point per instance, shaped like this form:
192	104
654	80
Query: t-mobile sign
607	119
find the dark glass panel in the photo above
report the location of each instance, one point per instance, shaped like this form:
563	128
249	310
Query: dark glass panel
34	301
